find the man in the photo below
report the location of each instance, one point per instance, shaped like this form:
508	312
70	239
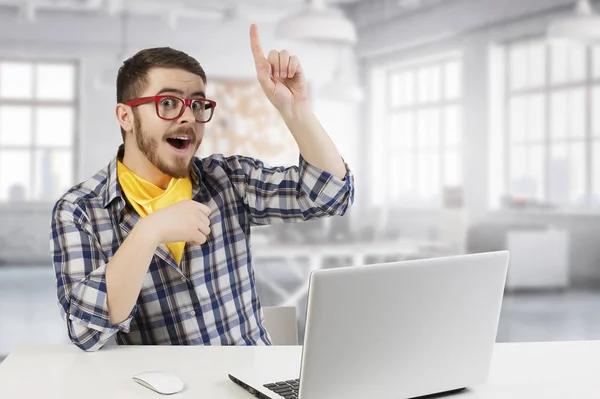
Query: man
155	248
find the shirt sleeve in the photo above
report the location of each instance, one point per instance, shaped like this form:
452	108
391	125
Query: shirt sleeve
291	194
80	268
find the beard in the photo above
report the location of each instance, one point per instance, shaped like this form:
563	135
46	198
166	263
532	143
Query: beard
180	167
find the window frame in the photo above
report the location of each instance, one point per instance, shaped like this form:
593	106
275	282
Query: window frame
34	103
439	105
547	90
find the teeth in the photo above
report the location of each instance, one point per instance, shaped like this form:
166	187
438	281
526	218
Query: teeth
182	138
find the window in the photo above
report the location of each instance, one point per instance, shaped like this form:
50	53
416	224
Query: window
551	125
38	114
417	118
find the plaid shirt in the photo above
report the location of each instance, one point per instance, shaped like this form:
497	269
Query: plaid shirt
211	298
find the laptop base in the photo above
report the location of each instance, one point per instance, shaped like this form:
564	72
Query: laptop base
438	395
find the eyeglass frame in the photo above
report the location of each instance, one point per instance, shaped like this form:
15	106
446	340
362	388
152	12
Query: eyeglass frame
187	102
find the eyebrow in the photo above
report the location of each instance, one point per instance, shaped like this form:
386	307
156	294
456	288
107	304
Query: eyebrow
177	91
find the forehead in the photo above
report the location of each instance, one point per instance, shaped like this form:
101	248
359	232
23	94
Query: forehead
179	79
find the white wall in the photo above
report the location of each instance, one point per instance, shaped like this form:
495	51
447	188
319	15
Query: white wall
222	48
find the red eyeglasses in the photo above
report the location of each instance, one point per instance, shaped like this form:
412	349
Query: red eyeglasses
171	107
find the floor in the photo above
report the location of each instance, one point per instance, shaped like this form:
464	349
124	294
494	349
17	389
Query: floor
29	313
553	316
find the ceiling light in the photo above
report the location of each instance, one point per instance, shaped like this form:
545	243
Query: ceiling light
582	26
318	22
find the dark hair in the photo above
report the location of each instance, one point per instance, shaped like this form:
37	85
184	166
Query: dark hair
133	74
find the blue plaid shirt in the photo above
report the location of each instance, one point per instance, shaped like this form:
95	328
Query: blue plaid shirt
210	299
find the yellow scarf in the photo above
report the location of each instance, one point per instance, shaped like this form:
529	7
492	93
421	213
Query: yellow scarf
146	198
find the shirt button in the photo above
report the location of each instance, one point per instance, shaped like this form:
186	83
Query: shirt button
193	313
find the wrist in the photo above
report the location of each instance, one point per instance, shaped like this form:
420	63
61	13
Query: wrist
297	114
145	230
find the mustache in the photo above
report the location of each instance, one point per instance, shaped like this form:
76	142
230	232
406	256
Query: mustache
182	131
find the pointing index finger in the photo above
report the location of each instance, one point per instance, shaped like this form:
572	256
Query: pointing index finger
257	51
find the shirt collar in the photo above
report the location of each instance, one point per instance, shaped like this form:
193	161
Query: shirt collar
112	189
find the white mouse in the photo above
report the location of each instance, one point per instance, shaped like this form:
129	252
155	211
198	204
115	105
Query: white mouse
163	382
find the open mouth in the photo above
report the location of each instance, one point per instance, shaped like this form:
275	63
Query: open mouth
180	143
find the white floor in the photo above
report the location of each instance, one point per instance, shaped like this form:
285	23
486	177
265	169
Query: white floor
551	316
28	308
29	313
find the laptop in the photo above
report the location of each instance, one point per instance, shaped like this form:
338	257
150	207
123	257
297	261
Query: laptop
392	330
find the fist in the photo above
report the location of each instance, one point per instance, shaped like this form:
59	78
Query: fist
184	221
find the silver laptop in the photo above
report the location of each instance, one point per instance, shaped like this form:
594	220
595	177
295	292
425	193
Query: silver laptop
393	330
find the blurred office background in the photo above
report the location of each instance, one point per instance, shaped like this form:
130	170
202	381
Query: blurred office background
466	128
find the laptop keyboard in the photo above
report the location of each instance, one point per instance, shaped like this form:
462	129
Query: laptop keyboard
287	389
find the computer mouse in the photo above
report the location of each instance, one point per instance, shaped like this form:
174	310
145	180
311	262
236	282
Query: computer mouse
163	382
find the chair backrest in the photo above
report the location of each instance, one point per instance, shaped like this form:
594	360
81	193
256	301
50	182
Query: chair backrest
281	324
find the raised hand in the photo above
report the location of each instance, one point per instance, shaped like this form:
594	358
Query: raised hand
280	75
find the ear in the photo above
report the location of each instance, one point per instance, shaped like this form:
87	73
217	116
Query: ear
125	117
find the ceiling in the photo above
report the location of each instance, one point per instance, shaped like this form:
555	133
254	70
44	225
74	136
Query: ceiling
370	13
256	10
185	8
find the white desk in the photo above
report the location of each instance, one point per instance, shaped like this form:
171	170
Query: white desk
527	370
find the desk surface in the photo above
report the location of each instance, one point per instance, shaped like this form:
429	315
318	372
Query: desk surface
524	370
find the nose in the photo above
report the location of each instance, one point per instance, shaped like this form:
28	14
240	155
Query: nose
187	116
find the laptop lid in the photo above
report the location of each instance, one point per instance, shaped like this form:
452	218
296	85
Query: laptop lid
402	329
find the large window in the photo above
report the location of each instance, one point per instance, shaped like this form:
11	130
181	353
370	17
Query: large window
418	134
551	151
38	114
